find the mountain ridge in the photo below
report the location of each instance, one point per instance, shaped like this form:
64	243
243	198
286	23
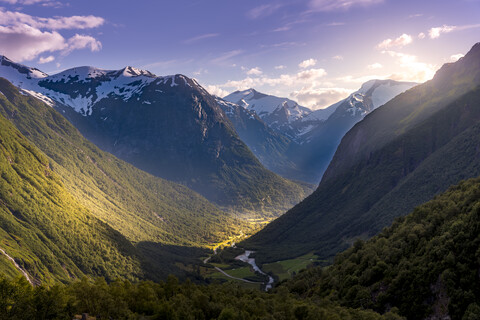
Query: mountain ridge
168	126
438	149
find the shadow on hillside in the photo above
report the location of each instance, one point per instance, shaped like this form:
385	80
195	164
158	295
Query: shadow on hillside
159	260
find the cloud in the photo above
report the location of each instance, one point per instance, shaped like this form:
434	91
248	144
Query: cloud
401	41
456	57
226	56
304	77
254	72
421	35
200	71
437	31
263	11
45	3
412	69
362	79
311	74
216	90
319	98
337	57
25	37
374	66
10	18
26	43
307	63
280	67
48	59
335	5
416	15
283	44
81	42
289	25
335	24
201	37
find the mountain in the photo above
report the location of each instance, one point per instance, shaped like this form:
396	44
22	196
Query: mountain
268	145
401	155
425	265
278	113
314	135
321	135
168	126
48	233
141	206
160	223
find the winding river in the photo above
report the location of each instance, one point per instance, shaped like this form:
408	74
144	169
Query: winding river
245	257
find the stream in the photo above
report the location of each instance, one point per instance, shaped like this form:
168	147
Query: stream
23	271
251	261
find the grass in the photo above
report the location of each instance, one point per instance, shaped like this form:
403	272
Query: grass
286	269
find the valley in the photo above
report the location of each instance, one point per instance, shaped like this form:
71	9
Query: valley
197	160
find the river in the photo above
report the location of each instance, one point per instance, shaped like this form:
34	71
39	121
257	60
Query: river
245	257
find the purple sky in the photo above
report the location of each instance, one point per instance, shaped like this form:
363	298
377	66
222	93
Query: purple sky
312	51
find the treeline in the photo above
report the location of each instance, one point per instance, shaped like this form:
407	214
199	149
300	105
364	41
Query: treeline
163	300
426	264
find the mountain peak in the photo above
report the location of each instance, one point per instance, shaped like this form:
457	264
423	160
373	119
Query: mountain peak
20	68
135	72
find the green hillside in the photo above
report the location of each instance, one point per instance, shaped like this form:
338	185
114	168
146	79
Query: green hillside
426	264
45	229
359	199
140	206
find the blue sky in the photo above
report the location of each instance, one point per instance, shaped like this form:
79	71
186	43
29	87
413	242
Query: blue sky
312	51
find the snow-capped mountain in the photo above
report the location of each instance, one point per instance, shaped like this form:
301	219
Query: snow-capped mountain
320	138
276	112
315	135
356	106
168	126
269	146
90	85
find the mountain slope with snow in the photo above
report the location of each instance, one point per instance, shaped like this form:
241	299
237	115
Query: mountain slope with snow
278	113
315	135
168	126
268	145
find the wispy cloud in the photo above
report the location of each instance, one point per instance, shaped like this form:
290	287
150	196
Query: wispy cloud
304	77
263	11
437	31
44	3
201	37
401	41
415	15
335	24
283	45
334	5
226	56
374	66
162	64
290	25
12	18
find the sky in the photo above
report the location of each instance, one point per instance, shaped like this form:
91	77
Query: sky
313	51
